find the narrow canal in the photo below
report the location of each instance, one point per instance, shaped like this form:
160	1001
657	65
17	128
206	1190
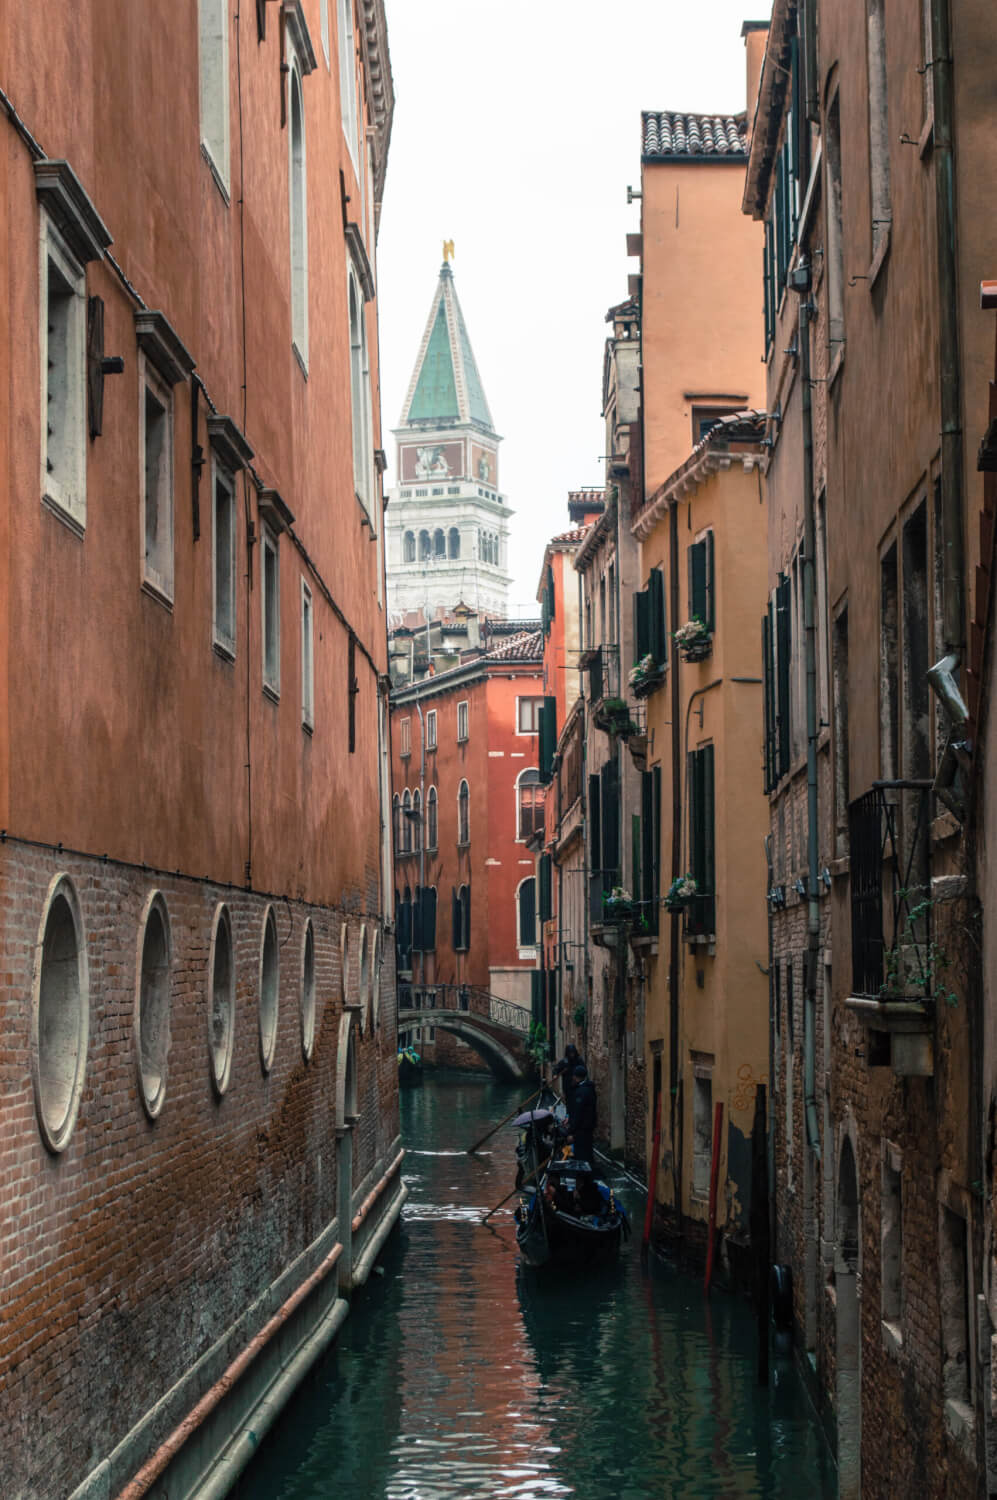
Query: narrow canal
459	1374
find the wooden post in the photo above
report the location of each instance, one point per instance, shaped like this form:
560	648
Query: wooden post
718	1119
652	1181
759	1228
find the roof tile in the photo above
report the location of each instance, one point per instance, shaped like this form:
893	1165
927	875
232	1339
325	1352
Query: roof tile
668	134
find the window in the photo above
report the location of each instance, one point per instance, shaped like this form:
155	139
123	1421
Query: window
916	659
432	819
462	733
403	933
156	479
439	543
424	920
529	804
221	1013
416	820
324	28
269	990
431	729
307	658
213	79
348	77
408	547
308	991
463	814
548	739
406	822
152	1009
270	606
650	623
526	913
60	1021
650	845
405	730
223	544
396	822
528	711
776	653
891	1242
425	546
889	681
957	1345
298	217
363	447
701	914
453	542
62	346
835	238
702	603
879	136
839	689
462	919
705	418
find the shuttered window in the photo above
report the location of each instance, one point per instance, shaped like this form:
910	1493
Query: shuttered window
777	632
610	803
650	844
424	919
701	582
650	625
460	902
548	739
701	916
546	891
528	913
595	848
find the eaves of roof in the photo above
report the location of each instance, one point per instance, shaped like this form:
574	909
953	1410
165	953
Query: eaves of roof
595	536
738	439
773	91
442	682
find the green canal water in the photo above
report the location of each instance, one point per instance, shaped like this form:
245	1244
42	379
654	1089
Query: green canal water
459	1374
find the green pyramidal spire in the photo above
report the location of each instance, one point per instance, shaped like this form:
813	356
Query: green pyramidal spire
445	385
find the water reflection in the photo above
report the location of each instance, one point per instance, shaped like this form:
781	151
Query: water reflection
462	1374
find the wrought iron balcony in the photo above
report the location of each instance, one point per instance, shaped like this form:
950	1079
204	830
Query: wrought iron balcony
890	866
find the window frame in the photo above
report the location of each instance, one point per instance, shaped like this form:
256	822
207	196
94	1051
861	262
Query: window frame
348	101
463	721
432	820
431	729
537	787
159	584
307	658
297	186
362	431
405	738
214	136
270	616
224	644
536	705
522	942
66	497
463	814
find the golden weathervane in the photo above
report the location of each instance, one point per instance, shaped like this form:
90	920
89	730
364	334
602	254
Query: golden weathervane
448	250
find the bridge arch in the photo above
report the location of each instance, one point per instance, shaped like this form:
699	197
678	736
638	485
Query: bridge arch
505	1059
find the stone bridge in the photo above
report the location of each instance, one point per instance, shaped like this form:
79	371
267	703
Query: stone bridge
497	1029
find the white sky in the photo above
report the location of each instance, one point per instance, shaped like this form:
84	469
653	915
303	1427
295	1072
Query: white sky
516	132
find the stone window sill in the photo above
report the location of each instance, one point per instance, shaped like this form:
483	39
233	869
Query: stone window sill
880	257
893	1339
960	1424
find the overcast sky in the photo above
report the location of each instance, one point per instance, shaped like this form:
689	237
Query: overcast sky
516	133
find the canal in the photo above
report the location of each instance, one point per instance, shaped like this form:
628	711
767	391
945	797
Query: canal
458	1374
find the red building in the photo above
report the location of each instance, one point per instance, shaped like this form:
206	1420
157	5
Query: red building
197	1005
467	797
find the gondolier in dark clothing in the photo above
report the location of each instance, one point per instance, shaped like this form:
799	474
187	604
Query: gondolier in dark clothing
582	1114
565	1070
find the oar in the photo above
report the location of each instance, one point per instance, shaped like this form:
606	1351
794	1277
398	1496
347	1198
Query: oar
528	1178
512	1113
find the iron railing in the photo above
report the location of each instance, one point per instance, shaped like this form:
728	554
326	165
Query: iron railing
890	869
469	999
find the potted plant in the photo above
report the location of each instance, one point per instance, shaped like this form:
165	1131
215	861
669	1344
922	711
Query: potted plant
613	715
617	906
693	640
645	675
681	892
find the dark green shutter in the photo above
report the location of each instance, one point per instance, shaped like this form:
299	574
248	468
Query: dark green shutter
417	943
767	703
649	892
698	603
455	915
766	279
548	739
466	916
702	916
546	893
656	847
610	777
656	608
783	646
528	913
709	829
642	624
595	849
429	918
537	995
595	678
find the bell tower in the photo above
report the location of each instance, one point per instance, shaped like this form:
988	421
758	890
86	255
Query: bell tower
447	520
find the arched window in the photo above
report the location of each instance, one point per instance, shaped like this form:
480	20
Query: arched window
363	449
526	913
464	814
152	1011
221	1016
408	547
425	546
529	804
299	219
396	822
269	990
432	819
60	1014
417	820
439	543
453	542
406	822
462	919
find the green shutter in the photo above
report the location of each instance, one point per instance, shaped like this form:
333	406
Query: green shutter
658	623
648	891
698	603
656	847
528	913
709	832
595	679
610	799
710	618
455	915
767	705
595	848
783	646
702	917
537	994
429	918
642	624
637	884
766	280
548	739
546	893
417	943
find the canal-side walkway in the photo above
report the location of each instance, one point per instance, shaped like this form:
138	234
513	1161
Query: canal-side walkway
459	1374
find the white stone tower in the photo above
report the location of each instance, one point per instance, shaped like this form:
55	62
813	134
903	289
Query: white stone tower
447	521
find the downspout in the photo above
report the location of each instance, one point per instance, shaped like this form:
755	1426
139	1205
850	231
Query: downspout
421	826
674	948
800	282
770	1112
586	876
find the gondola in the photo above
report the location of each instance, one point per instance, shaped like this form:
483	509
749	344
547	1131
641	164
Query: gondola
571	1218
409	1065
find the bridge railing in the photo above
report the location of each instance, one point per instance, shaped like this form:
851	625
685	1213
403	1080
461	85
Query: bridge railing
472	1000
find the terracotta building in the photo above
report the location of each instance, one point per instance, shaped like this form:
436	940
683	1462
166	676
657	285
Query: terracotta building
467	800
197	1008
870	149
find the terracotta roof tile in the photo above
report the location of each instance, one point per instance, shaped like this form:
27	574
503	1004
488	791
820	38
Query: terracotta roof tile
667	134
574	535
526	647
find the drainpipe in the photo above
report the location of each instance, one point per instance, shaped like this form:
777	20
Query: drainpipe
770	1113
421	826
800	282
953	562
674	1085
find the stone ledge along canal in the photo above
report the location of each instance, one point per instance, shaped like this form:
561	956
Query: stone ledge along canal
459	1373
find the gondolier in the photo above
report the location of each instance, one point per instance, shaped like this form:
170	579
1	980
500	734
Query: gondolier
582	1113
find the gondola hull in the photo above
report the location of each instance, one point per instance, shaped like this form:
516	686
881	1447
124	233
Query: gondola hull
549	1237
